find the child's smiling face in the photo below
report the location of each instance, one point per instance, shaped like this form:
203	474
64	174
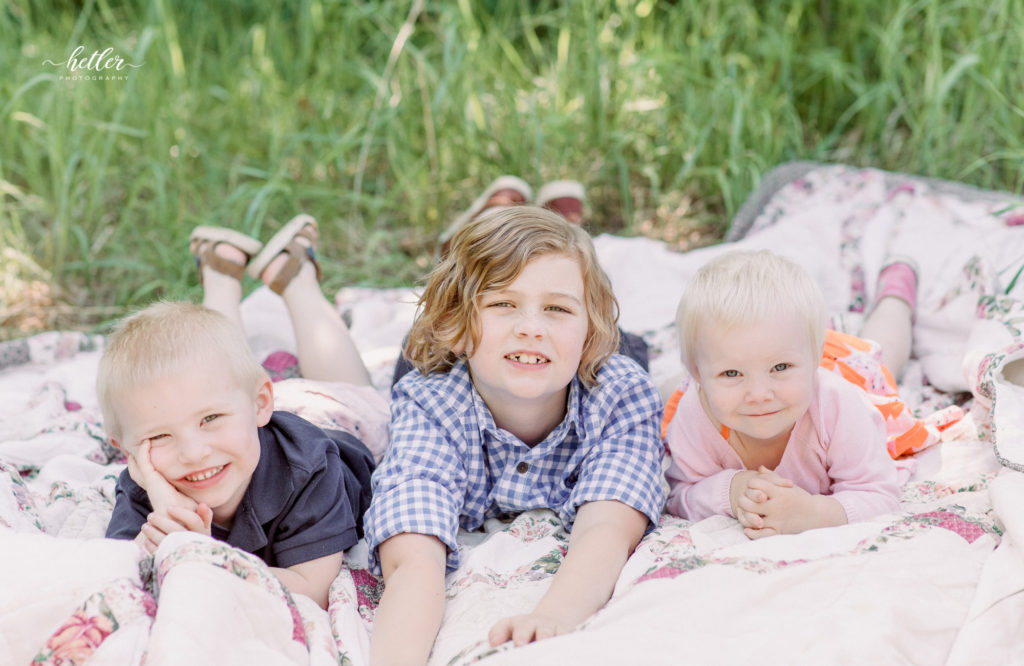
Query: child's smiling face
757	378
532	334
202	428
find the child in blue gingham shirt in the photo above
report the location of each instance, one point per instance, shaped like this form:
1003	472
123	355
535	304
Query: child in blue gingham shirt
519	404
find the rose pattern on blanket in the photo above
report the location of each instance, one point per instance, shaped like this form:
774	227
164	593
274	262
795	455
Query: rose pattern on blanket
354	588
50	513
539	569
1009	312
50	412
244	565
530	527
23	508
94	621
675	554
992	375
929	492
368	589
527	528
971	529
974	280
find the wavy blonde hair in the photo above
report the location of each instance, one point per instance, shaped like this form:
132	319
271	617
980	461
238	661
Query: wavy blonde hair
488	253
156	341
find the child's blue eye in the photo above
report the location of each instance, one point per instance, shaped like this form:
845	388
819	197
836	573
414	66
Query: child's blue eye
779	367
731	373
208	418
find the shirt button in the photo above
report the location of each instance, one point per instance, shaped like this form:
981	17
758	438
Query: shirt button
522	467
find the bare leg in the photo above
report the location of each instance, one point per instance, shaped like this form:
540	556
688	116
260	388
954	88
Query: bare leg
223	293
891	320
890	325
326	350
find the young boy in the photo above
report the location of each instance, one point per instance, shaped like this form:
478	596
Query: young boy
519	403
183	396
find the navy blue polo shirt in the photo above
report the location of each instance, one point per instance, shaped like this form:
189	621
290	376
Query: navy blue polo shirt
306	498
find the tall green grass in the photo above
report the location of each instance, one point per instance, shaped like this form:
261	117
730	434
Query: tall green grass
383	119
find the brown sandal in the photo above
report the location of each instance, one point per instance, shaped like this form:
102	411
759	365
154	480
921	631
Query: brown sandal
300	226
204	241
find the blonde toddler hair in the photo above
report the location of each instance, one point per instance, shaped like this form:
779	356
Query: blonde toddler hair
157	341
489	253
741	287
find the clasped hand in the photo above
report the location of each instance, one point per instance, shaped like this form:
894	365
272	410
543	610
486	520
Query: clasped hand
766	504
172	510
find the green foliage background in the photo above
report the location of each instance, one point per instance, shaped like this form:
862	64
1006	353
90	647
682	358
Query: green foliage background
384	119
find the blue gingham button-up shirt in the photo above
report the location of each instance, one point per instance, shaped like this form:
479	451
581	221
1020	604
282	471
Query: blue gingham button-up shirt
450	466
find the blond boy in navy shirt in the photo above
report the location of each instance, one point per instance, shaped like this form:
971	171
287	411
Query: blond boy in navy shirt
183	396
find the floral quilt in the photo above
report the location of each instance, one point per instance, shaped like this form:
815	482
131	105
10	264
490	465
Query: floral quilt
939	581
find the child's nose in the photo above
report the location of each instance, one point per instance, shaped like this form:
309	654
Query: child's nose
759	390
529	324
193	448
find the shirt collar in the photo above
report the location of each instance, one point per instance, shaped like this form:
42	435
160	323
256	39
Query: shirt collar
485	420
275	485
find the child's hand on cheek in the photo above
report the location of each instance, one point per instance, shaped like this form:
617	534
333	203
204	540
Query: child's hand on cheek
175	519
162	495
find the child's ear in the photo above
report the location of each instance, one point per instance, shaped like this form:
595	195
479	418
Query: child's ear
264	402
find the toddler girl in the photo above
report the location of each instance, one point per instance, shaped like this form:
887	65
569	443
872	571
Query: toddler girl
763	433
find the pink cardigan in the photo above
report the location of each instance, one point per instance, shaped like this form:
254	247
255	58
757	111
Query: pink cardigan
837	448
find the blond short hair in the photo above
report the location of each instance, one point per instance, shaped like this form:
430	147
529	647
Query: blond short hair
488	253
744	286
156	341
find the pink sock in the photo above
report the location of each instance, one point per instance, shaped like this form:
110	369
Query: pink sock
900	280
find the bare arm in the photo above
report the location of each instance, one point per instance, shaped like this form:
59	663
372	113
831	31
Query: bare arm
603	537
312	578
410	610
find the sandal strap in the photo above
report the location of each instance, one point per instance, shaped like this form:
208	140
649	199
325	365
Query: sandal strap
298	254
205	255
222	265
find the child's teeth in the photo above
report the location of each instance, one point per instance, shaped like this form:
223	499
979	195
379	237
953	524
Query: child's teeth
528	359
205	475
